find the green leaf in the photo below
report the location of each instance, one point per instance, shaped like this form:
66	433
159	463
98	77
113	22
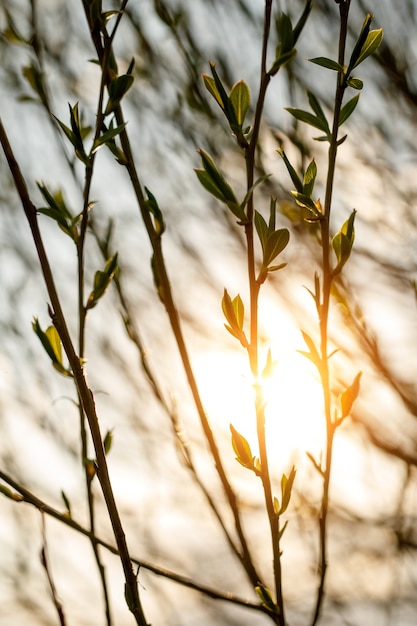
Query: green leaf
76	133
286	489
242	449
210	85
52	345
306	202
108	441
366	26
261	228
285	34
118	87
275	244
224	191
309	118
107	137
234	313
265	597
372	42
349	395
293	174
327	63
224	99
58	211
102	280
309	178
33	75
153	208
342	243
355	83
317	109
282	60
348	109
302	21
240	99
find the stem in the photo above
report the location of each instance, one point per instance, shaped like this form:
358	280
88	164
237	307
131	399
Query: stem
243	553
28	497
46	102
85	394
254	288
323	311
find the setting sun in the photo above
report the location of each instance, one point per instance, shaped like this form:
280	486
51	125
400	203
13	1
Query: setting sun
294	418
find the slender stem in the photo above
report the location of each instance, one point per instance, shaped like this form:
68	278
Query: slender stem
25	495
243	554
324	311
85	394
254	288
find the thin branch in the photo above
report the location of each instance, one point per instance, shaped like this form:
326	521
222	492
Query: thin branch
85	394
28	497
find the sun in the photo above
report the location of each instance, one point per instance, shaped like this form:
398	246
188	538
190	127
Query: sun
294	409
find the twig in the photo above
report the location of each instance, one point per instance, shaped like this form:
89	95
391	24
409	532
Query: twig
85	394
28	497
45	564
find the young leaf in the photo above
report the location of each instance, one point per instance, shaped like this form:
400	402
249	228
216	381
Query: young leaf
75	133
317	109
302	21
234	313
348	109
107	137
286	489
355	83
240	99
309	178
342	243
262	229
242	449
210	85
372	42
269	366
107	441
58	211
306	202
293	174
52	345
153	208
313	354
349	395
274	245
327	63
220	89
309	118
118	87
265	597
102	280
223	189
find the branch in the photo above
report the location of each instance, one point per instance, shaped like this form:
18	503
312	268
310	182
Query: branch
29	498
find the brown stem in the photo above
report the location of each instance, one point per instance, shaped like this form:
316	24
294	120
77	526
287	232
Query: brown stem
85	394
324	308
243	553
28	497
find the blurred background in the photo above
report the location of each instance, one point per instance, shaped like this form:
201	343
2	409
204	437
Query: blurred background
45	53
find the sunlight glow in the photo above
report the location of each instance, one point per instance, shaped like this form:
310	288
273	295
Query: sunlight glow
294	419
